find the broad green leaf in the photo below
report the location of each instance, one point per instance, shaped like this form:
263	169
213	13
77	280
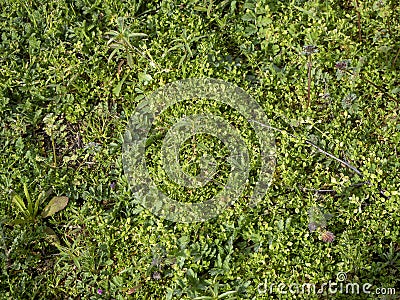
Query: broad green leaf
18	222
130	59
112	54
55	205
249	5
51	236
143	77
118	87
251	29
249	17
199	8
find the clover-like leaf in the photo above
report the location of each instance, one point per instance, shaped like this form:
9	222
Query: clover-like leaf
55	205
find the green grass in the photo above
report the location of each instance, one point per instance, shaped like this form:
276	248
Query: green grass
66	99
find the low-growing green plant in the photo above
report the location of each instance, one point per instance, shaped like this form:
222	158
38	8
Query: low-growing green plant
55	129
309	50
318	222
31	211
184	43
344	67
65	91
213	289
120	40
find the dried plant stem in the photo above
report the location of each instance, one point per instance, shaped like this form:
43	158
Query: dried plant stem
377	87
382	193
335	158
309	64
380	89
358	21
330	190
120	66
54	150
395	59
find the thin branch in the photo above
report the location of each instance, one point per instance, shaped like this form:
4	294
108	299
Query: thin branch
358	21
333	191
335	158
309	82
382	192
317	190
395	59
315	146
380	89
273	128
120	66
376	86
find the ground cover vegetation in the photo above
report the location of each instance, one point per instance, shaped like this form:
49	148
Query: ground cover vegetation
327	75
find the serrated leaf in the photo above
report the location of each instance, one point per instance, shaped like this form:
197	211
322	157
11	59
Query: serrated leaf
55	205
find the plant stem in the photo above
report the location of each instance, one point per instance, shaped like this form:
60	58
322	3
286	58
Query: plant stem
54	151
377	87
381	192
358	21
395	59
309	81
